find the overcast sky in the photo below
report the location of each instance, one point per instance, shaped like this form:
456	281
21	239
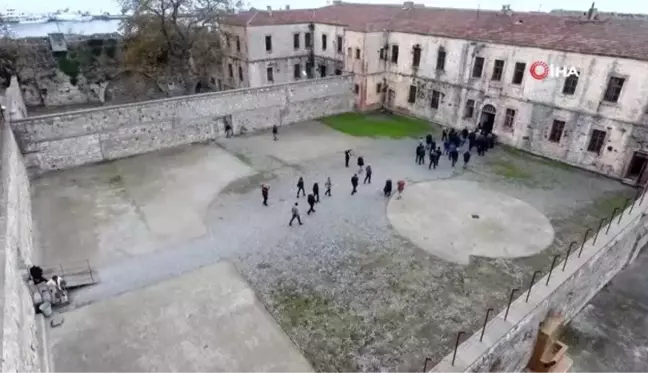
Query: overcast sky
95	6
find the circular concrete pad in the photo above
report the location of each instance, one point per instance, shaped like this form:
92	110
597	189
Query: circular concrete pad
456	219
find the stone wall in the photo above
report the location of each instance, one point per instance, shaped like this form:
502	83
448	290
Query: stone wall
507	345
72	139
20	335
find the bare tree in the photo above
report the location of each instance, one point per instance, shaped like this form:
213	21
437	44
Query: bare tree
164	37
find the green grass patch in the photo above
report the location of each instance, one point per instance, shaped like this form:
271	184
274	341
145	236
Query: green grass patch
604	205
511	171
379	125
546	161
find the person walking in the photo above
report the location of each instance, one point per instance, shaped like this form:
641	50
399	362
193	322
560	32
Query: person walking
328	186
428	141
432	156
316	192
275	130
368	172
451	149
300	186
347	157
311	202
401	188
454	155
444	135
438	157
466	157
354	184
446	147
360	164
388	188
228	130
420	154
264	192
295	215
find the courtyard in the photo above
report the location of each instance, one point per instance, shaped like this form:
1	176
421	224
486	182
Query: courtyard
366	284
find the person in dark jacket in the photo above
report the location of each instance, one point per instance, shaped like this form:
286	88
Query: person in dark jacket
438	157
368	172
388	188
354	184
316	192
428	140
300	186
444	135
471	140
466	157
264	193
347	157
360	164
311	202
275	130
432	154
420	154
454	156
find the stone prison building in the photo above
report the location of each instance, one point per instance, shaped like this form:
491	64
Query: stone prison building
463	67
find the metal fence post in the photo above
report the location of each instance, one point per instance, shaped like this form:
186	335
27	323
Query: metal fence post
611	218
625	207
488	311
508	307
599	229
454	355
427	360
531	285
584	239
553	264
571	245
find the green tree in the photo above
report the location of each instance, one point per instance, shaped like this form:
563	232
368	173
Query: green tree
177	38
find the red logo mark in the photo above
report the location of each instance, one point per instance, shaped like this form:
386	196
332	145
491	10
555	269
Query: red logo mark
539	70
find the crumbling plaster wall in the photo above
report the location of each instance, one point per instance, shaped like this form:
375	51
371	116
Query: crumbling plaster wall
20	336
537	103
72	139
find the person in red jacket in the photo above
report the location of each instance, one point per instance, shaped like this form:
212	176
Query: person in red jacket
401	188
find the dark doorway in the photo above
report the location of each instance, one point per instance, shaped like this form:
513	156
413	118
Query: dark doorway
487	119
390	98
637	168
322	69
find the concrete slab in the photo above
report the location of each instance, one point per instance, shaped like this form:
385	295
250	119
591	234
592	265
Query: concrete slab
456	219
207	320
130	206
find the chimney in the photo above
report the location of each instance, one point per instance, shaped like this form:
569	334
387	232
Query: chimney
408	5
269	10
506	9
287	7
590	12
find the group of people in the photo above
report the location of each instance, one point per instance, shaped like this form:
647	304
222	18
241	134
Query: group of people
452	141
313	198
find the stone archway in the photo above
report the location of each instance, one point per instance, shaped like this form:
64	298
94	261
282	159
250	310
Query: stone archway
487	119
130	86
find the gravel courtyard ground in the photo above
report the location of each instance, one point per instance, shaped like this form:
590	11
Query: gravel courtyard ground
349	291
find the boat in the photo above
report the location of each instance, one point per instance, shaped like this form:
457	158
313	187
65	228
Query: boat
9	16
28	20
71	17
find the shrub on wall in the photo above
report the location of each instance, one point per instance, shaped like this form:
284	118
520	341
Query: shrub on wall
69	66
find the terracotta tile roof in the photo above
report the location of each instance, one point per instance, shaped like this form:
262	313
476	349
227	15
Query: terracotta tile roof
612	37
